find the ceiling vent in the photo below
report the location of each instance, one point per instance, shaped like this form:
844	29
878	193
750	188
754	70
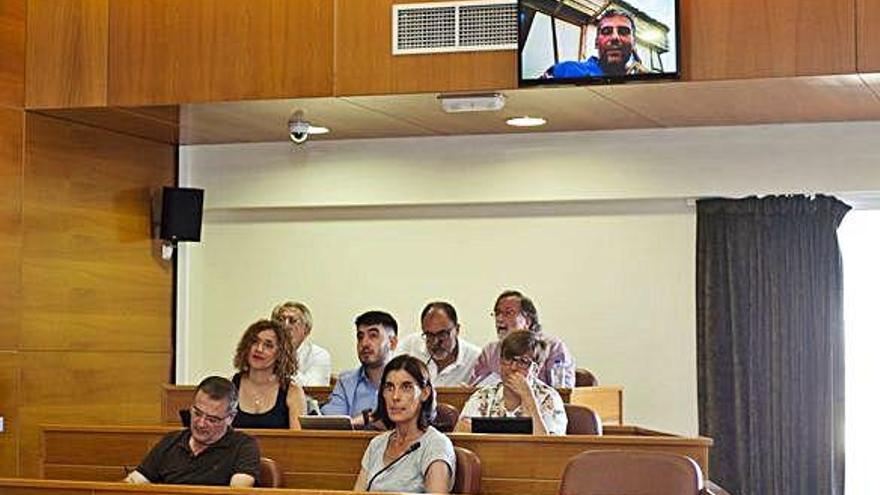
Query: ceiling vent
443	27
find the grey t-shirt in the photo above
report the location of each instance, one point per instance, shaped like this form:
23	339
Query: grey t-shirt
408	474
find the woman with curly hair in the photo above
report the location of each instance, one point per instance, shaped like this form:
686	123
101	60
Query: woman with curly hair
265	361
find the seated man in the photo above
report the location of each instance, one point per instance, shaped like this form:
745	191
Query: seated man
313	361
210	452
615	44
514	311
356	391
450	359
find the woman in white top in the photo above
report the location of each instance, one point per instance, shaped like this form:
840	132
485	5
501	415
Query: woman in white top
520	393
412	457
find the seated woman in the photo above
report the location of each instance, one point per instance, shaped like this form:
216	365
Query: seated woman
412	456
520	393
265	362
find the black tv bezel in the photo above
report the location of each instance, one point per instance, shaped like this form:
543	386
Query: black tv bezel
599	80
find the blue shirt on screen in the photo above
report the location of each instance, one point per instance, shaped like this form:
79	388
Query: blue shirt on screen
353	393
587	68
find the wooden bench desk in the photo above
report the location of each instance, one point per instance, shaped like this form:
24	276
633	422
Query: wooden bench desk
606	401
25	486
331	459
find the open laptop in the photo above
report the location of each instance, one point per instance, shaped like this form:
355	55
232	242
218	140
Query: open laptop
501	425
325	423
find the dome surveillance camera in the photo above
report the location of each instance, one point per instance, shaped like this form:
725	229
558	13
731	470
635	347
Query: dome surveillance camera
299	131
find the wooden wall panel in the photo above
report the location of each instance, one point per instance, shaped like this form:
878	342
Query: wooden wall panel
868	32
9	385
96	301
12	50
364	64
90	261
67	53
736	39
11	132
171	51
86	387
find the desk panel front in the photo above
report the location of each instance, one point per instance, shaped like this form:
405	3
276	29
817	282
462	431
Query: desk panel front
331	459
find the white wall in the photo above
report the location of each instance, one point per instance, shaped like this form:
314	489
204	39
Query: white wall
594	226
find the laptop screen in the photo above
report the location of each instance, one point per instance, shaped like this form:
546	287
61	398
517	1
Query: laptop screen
501	425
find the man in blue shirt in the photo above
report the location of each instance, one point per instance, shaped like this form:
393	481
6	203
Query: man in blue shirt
615	38
356	391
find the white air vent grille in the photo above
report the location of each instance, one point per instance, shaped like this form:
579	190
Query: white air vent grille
464	26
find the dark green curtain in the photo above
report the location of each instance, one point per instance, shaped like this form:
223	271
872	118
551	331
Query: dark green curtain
770	343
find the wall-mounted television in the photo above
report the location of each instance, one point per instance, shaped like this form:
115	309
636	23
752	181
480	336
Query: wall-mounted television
597	41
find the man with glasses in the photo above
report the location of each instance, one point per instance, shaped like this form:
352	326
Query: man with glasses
520	393
210	452
515	311
312	361
615	39
450	359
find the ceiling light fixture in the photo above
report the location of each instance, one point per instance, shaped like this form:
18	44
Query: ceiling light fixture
526	121
483	102
316	129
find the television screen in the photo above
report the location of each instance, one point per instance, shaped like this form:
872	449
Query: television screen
597	41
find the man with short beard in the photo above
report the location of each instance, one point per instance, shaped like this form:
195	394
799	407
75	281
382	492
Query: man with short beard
615	42
356	393
450	358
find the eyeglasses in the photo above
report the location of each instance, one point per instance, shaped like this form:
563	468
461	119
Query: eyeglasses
520	362
621	30
209	418
507	313
290	320
437	336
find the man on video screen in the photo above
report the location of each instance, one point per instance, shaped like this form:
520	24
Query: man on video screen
615	36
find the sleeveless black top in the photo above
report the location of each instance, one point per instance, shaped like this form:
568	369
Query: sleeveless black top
277	417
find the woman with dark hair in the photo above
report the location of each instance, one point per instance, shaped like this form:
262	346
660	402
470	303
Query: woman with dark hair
520	393
412	457
265	361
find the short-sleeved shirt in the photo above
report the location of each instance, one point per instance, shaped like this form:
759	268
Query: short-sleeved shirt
455	374
489	402
172	462
353	393
408	474
314	365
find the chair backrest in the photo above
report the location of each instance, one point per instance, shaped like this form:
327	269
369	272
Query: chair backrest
631	472
468	471
270	473
582	420
447	416
584	378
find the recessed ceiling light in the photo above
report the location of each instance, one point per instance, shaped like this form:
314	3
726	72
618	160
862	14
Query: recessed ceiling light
316	129
526	121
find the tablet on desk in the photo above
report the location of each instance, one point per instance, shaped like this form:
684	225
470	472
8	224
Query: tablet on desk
501	425
325	423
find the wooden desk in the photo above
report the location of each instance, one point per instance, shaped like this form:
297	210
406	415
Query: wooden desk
331	459
606	401
24	486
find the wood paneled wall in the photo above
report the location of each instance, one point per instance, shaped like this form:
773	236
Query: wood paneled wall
67	53
868	31
738	39
365	65
178	51
169	51
86	302
12	50
11	132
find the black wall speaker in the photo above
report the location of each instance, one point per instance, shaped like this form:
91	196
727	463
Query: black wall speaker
181	214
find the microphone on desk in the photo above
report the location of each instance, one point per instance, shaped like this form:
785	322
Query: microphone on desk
412	448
